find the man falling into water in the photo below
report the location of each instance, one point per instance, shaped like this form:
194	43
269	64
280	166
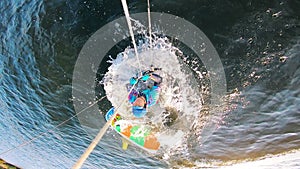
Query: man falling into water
145	92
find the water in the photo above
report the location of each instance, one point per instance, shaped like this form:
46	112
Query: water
258	43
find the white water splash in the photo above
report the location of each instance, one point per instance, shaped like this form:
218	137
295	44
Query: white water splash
177	89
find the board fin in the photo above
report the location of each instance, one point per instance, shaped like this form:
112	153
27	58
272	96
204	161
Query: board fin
124	144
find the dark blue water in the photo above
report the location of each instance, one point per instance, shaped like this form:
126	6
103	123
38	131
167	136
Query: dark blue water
258	43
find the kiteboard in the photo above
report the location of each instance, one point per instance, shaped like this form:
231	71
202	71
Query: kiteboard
134	133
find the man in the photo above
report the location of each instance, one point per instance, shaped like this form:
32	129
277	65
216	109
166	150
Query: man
145	93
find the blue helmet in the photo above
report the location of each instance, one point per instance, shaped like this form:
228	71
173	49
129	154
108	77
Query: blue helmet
138	111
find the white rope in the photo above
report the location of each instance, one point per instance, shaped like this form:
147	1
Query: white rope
150	31
97	139
125	8
149	24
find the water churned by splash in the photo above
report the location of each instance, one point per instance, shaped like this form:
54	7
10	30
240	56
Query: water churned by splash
180	92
